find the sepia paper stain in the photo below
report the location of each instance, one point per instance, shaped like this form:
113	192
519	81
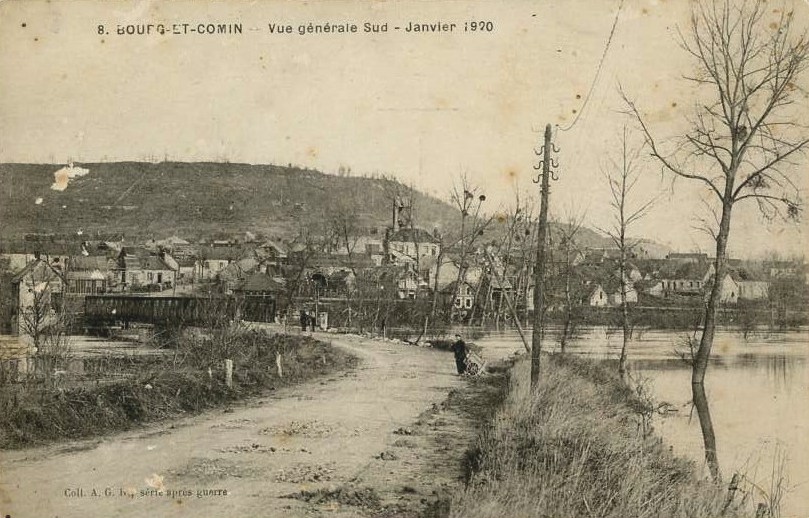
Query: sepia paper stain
63	176
511	174
155	481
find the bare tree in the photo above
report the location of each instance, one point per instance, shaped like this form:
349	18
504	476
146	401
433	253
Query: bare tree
44	319
468	199
344	230
742	143
622	176
507	250
567	233
302	251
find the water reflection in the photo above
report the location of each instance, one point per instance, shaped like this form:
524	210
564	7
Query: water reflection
706	424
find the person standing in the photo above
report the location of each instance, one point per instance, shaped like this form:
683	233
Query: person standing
304	320
459	348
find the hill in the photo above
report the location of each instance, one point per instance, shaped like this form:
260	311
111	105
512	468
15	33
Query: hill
194	200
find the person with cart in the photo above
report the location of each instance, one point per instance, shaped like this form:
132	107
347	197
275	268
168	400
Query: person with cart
459	349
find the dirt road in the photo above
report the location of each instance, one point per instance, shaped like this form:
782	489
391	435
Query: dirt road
372	441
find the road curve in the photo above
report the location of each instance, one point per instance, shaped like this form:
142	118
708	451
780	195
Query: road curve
317	435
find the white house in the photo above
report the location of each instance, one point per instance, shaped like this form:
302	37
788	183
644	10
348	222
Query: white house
598	297
36	292
409	245
463	295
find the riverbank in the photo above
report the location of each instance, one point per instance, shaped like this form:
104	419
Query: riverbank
162	387
580	446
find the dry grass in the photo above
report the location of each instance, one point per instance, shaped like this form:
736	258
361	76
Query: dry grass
166	387
577	448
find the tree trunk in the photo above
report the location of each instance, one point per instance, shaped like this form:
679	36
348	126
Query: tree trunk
435	282
708	435
712	307
704	351
624	310
568	309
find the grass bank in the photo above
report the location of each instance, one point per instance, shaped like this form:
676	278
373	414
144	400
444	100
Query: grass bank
578	447
188	380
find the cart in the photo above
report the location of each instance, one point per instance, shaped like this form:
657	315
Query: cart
475	364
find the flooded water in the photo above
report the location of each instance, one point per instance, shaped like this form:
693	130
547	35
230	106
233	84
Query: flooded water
758	393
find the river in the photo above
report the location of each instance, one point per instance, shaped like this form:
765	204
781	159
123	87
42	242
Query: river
758	391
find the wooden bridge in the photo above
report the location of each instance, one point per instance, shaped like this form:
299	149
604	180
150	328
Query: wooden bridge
105	310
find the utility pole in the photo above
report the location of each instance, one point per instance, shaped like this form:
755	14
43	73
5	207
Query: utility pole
539	268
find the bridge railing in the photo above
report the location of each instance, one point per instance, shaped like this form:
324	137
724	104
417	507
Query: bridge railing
182	310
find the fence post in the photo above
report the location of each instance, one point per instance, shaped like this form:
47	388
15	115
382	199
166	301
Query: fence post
229	373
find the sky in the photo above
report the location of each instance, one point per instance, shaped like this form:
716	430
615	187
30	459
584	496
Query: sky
423	107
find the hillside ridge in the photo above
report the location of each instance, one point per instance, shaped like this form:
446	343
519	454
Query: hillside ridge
203	200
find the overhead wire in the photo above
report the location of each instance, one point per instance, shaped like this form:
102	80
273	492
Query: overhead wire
598	70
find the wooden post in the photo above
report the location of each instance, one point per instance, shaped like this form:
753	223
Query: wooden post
229	373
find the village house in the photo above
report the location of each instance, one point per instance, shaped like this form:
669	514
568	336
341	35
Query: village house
186	269
37	296
237	271
271	257
597	296
728	291
449	273
753	290
411	245
20	253
410	284
327	264
689	257
780	269
89	275
682	278
462	295
213	259
138	268
752	284
260	285
260	292
172	242
372	245
607	293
